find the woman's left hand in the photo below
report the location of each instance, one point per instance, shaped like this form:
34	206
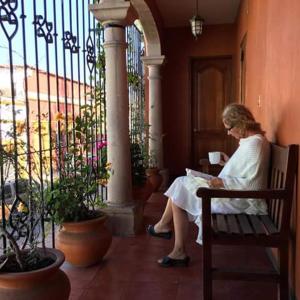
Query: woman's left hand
216	182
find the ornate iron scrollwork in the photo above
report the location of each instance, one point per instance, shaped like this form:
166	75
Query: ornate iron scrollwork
18	221
90	57
8	18
39	23
70	42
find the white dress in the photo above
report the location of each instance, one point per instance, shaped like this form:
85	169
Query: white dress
246	169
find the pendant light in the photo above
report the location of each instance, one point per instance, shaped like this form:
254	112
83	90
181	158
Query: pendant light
196	23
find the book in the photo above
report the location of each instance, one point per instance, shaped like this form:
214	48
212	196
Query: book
198	174
199	178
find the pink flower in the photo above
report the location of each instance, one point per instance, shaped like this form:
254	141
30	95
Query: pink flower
101	144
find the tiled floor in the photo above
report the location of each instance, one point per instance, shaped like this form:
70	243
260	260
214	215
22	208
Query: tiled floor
130	272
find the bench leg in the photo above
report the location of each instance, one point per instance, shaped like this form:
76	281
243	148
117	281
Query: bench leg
284	275
207	272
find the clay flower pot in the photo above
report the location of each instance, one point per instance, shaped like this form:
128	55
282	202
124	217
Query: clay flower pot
47	283
84	243
154	178
143	192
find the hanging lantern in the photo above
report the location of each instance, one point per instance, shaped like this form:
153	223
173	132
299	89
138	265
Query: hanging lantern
196	23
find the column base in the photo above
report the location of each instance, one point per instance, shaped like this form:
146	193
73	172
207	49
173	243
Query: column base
125	221
166	178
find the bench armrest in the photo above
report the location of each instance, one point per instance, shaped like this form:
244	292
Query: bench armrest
208	193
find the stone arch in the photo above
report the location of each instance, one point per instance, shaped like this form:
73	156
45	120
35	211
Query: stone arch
151	34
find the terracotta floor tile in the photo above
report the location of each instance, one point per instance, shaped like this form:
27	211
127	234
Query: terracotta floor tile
190	291
76	294
130	271
228	290
151	291
105	291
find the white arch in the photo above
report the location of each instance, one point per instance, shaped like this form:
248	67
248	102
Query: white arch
152	40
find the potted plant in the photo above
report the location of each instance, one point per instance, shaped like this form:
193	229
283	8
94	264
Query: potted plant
75	198
141	188
152	171
28	270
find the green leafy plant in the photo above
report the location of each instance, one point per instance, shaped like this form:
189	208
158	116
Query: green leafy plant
138	168
22	207
75	194
151	160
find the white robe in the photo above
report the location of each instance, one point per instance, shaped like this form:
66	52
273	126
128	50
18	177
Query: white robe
246	169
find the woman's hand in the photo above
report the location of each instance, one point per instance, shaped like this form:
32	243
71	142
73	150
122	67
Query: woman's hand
224	158
216	182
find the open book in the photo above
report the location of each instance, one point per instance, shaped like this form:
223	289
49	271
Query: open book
199	177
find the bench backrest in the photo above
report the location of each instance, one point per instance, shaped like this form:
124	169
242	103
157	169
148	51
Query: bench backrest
283	170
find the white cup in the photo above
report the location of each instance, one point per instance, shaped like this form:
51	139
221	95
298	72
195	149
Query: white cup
214	157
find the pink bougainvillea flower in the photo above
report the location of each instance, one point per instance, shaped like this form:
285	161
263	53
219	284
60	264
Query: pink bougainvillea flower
101	144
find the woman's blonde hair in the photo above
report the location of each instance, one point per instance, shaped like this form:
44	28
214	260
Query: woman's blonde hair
239	116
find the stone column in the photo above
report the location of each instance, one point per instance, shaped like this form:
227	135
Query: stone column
122	211
155	112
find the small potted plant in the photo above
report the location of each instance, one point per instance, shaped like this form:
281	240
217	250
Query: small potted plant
75	200
28	270
152	171
141	187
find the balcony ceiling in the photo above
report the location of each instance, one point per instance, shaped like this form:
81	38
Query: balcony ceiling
176	13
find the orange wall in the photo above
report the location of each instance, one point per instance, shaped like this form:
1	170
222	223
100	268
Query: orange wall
179	47
272	74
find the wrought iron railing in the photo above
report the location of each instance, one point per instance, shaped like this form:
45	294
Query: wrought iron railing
50	64
137	125
135	72
52	70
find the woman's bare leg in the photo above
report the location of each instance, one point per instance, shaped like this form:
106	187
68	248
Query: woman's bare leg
181	225
164	224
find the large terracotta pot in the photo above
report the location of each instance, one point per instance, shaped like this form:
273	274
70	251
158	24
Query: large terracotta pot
84	243
154	178
143	192
47	283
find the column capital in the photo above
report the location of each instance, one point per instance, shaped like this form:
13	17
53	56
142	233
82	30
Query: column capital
110	12
154	60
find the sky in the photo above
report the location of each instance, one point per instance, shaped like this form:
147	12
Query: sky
68	13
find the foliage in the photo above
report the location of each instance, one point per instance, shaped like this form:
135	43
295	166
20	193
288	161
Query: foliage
23	215
71	192
74	196
134	79
138	169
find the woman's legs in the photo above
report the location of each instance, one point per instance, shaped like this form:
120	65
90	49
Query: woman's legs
164	224
181	225
180	220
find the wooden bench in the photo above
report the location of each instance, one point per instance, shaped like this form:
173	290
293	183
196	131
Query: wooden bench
269	231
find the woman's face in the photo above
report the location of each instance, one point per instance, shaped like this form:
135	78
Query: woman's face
233	131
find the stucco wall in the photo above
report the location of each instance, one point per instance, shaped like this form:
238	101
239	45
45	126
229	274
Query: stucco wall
179	47
272	76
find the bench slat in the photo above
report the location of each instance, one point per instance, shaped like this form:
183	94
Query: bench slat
269	224
245	225
214	225
233	224
257	224
221	223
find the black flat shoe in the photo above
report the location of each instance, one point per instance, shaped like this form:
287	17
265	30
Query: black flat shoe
164	235
168	262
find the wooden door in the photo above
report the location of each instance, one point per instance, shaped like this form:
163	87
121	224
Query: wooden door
211	92
242	86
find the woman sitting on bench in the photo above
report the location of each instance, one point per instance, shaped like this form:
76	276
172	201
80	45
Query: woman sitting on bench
246	169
